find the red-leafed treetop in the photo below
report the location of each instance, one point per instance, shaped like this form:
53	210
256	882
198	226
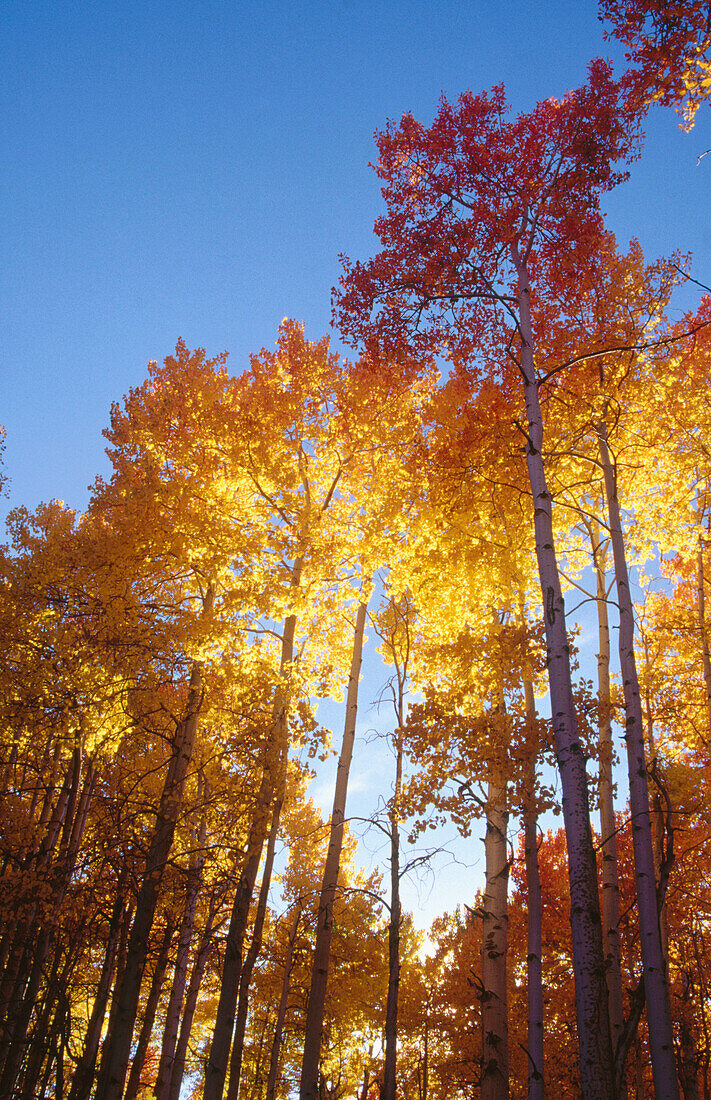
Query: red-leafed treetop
463	193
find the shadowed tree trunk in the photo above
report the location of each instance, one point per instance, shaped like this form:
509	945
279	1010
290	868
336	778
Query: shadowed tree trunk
397	642
391	1009
149	1015
688	1057
494	942
273	1076
117	1047
596	1065
309	1089
656	987
187	924
270	788
84	1075
608	829
703	631
534	917
252	955
191	999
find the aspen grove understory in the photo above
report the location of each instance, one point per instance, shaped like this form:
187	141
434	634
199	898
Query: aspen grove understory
521	419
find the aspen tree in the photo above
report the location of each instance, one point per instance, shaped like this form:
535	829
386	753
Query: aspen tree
474	237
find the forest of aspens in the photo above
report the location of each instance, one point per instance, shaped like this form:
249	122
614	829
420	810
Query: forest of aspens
523	418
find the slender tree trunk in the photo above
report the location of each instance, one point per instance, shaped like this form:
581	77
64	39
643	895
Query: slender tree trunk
534	951
256	1089
688	1057
366	1077
703	631
21	1020
396	638
661	1042
175	1002
55	864
596	1068
274	1058
658	819
635	1042
494	945
84	1074
269	789
35	1081
191	999
113	1010
22	973
59	1079
253	953
319	975
118	1045
700	971
426	1057
388	1091
149	1015
608	846
47	1023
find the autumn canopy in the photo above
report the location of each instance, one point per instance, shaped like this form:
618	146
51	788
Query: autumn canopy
522	429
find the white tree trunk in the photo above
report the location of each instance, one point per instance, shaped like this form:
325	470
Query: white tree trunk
661	1043
596	1069
494	945
608	846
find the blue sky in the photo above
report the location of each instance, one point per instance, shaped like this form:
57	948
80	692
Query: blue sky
194	169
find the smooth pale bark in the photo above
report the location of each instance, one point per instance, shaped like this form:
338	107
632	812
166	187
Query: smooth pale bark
309	1087
274	1058
149	1015
494	945
117	1049
534	898
608	830
595	1048
270	788
252	955
185	935
391	1009
703	631
661	1043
